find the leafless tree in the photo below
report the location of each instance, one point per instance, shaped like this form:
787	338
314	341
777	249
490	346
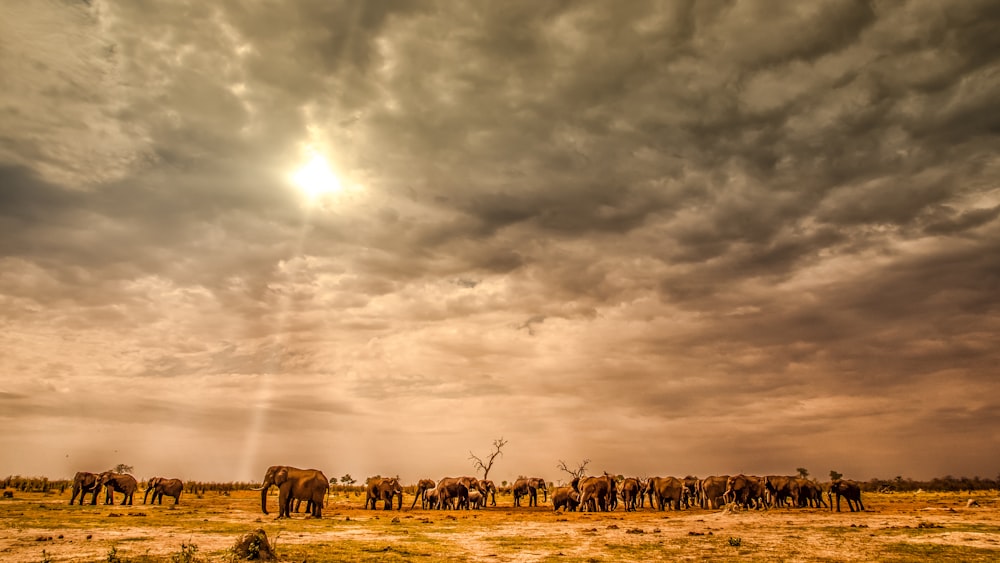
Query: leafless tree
578	472
478	463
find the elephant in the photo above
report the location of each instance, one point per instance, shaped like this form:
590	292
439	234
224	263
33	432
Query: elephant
489	490
160	486
745	490
595	492
630	491
423	486
120	483
83	483
711	489
295	484
850	490
665	491
540	485
525	487
690	490
384	489
780	489
431	498
473	484
565	498
477	500
810	494
453	492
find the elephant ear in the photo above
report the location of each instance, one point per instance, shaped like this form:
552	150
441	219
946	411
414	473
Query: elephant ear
281	476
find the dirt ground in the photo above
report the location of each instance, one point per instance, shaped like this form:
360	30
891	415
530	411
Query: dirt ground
894	527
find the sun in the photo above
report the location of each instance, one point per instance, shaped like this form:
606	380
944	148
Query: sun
315	178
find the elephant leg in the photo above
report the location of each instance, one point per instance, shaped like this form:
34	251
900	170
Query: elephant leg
282	502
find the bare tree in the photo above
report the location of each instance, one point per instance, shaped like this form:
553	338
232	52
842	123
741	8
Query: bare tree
478	463
578	472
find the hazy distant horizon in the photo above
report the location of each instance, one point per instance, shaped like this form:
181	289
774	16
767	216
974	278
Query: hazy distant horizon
370	237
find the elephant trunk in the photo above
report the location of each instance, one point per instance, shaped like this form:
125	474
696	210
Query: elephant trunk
263	497
146	496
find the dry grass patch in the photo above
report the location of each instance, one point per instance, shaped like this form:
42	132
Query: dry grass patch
895	528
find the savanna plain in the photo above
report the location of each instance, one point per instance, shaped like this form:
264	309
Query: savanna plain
920	526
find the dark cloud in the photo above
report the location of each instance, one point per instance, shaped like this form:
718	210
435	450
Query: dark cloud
693	219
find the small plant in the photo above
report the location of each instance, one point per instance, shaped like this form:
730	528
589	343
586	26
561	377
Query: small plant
113	556
735	542
46	558
186	554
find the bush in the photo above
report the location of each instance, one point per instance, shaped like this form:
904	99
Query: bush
186	554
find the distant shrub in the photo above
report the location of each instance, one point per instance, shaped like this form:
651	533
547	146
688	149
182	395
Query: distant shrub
113	556
186	554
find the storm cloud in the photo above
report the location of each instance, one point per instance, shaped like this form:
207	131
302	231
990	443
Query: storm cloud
672	238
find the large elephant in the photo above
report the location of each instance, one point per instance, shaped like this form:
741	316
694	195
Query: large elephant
745	490
160	486
630	491
780	489
383	489
83	483
565	498
711	491
525	487
810	493
472	484
295	484
595	492
423	486
850	490
490	490
540	485
118	483
665	491
453	492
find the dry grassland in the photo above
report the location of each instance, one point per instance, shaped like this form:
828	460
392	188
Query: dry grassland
896	527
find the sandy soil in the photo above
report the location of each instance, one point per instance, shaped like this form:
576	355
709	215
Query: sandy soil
894	527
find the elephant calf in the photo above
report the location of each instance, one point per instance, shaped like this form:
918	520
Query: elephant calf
565	498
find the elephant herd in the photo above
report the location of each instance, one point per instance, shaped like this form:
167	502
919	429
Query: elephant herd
603	493
92	483
594	493
456	493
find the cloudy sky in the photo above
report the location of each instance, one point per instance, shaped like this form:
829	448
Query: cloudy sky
674	238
